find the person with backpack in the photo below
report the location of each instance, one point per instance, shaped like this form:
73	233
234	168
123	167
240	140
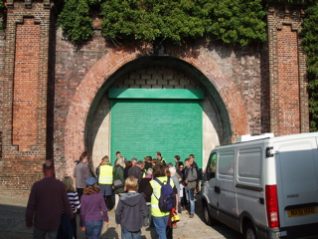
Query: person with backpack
163	200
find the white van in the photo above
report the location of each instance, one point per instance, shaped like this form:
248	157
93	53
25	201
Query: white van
264	188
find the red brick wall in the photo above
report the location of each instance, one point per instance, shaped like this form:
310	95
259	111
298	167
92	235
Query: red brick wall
23	92
26	84
287	66
81	74
288	82
238	75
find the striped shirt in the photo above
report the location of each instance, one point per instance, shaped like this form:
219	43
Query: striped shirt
74	201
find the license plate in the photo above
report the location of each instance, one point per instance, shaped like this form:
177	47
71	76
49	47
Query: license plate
296	212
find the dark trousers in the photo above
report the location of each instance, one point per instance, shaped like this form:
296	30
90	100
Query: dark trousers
65	230
43	234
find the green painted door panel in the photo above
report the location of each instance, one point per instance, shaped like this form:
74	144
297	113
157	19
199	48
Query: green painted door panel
143	127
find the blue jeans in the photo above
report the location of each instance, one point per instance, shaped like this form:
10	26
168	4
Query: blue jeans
125	234
190	197
93	229
160	224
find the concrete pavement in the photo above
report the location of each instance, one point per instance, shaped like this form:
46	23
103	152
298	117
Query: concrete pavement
12	224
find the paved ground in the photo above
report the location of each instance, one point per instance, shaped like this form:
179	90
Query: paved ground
12	225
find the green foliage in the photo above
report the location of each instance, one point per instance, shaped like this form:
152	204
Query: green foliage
76	21
231	21
2	7
234	21
175	21
150	20
310	46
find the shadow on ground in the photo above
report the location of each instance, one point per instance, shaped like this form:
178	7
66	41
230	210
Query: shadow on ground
12	226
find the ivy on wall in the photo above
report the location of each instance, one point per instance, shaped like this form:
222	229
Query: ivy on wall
235	22
76	21
310	45
1	15
230	21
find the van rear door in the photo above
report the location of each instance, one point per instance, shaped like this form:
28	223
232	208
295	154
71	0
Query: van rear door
297	180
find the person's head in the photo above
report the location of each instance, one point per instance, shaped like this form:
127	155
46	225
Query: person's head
84	157
141	164
149	173
128	164
91	186
159	156
48	168
187	162
118	154
133	161
177	158
91	181
121	162
159	170
181	166
131	184
104	160
172	170
68	182
191	158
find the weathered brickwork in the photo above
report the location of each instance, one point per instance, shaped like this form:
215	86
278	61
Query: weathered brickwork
1	88
82	73
26	84
288	95
24	93
288	81
251	90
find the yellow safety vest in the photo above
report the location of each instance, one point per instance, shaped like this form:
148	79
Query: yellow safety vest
105	174
155	211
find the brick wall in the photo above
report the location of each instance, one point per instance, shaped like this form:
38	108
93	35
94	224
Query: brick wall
288	95
26	84
1	90
288	82
85	73
245	84
24	93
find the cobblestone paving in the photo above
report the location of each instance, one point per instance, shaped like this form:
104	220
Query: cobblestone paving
12	226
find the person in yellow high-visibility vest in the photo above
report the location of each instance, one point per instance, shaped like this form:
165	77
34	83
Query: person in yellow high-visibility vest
104	174
159	218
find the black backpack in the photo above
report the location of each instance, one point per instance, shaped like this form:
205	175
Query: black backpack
167	199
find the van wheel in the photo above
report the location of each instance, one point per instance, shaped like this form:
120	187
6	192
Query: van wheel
249	232
206	215
208	219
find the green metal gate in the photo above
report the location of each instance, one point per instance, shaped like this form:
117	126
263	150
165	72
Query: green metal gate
144	121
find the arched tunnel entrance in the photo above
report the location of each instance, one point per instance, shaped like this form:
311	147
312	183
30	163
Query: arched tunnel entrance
156	104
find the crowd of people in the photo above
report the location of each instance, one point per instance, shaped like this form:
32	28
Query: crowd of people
149	192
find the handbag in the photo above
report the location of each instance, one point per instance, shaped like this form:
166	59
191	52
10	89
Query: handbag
118	183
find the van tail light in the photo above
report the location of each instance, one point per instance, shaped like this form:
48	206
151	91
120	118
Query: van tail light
272	206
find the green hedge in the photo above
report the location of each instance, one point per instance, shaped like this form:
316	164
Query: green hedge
173	21
76	21
1	15
310	45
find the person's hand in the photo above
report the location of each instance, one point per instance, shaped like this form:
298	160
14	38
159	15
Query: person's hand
82	229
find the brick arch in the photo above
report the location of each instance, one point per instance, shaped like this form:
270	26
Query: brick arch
113	60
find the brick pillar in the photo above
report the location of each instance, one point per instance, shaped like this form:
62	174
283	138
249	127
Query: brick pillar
24	92
288	95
